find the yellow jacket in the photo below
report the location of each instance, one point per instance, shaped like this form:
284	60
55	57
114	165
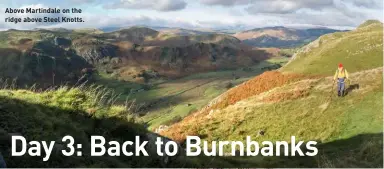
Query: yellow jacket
343	73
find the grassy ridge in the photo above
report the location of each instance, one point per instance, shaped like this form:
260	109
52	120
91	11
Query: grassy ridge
358	50
79	112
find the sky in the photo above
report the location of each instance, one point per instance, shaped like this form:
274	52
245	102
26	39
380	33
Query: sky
202	14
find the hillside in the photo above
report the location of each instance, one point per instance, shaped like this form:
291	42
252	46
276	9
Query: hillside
33	56
299	100
358	50
170	101
136	54
183	32
281	37
80	112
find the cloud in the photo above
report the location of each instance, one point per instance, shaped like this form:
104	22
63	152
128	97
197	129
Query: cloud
291	6
320	18
377	4
160	5
286	6
349	13
2	27
274	4
82	1
226	2
215	14
234	12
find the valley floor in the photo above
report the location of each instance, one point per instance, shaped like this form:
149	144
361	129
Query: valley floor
167	102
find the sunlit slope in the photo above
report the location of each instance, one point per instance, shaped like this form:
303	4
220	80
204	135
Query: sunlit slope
300	100
304	108
307	109
358	50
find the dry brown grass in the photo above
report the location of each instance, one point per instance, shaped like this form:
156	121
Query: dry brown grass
260	84
291	95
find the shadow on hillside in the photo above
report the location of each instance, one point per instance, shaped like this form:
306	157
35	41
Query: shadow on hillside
361	151
124	88
172	100
128	90
351	88
45	123
45	64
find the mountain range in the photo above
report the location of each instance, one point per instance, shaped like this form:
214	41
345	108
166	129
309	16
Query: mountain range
277	36
139	53
131	53
281	37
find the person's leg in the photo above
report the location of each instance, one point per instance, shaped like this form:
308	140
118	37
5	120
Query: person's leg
338	87
342	87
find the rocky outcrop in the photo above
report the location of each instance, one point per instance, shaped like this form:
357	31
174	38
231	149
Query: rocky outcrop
212	56
161	128
62	41
95	51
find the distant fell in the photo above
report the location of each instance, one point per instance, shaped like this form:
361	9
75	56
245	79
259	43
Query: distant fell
359	49
281	37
